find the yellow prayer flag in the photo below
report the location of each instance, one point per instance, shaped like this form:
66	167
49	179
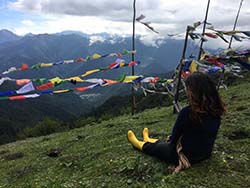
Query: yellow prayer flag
46	64
122	64
96	56
203	56
129	79
55	80
90	72
231	32
61	91
169	81
193	67
77	79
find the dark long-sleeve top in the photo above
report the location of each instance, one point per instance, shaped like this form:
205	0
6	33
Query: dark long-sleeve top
197	139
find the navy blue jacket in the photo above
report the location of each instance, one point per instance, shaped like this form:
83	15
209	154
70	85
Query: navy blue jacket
197	139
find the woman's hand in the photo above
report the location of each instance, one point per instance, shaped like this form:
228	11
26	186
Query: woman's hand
168	138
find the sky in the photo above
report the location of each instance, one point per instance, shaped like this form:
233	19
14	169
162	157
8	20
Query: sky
115	16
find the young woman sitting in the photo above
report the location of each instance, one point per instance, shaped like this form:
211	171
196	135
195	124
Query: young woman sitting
195	129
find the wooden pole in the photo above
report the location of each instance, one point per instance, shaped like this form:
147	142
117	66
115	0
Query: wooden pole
177	107
133	59
222	77
235	23
203	31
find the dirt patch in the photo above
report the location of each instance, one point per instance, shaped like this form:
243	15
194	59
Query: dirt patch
3	152
70	161
151	122
18	173
13	156
237	135
54	152
79	137
241	108
110	125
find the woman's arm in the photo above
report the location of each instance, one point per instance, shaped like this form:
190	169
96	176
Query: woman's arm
178	128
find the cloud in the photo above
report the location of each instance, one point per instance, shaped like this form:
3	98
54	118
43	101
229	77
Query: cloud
28	23
94	39
179	12
115	16
215	44
26	5
152	40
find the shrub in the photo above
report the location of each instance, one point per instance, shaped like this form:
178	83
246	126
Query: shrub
44	127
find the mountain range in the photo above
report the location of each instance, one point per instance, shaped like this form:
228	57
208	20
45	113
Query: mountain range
31	49
159	58
7	36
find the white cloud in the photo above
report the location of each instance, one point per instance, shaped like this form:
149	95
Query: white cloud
115	17
94	39
26	5
21	30
28	23
152	40
218	43
180	12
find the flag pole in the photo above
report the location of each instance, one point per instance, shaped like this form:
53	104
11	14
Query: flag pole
133	59
235	23
229	46
177	107
204	28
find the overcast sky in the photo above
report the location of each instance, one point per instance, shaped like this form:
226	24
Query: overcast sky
115	16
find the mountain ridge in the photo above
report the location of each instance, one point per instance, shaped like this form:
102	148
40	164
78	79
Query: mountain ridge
7	36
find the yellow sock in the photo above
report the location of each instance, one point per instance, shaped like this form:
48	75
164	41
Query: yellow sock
133	140
146	136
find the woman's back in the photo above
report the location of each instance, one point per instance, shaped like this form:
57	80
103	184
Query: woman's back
198	139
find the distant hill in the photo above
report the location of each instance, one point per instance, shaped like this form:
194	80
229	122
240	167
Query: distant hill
45	48
156	59
17	115
162	57
7	36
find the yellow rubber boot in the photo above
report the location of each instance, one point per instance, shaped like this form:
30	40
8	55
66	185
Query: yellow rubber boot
133	140
146	136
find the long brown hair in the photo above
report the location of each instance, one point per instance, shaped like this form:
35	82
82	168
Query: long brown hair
203	97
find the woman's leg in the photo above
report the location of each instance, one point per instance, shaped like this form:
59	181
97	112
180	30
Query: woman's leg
133	140
161	150
146	136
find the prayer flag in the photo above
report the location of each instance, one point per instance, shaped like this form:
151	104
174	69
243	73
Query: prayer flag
26	88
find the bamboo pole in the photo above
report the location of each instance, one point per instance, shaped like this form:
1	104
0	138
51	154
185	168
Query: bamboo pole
133	59
229	46
177	107
235	23
204	29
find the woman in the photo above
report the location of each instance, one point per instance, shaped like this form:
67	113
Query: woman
195	129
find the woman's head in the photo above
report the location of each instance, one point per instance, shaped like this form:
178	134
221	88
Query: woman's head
203	96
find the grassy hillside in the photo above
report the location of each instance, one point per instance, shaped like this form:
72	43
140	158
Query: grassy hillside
99	155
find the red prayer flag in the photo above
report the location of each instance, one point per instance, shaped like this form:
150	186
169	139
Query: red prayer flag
24	67
21	97
211	35
79	59
215	62
119	54
81	89
132	63
45	86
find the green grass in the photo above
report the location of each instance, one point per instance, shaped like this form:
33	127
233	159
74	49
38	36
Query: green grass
99	155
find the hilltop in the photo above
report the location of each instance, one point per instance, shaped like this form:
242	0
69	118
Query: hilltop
99	155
